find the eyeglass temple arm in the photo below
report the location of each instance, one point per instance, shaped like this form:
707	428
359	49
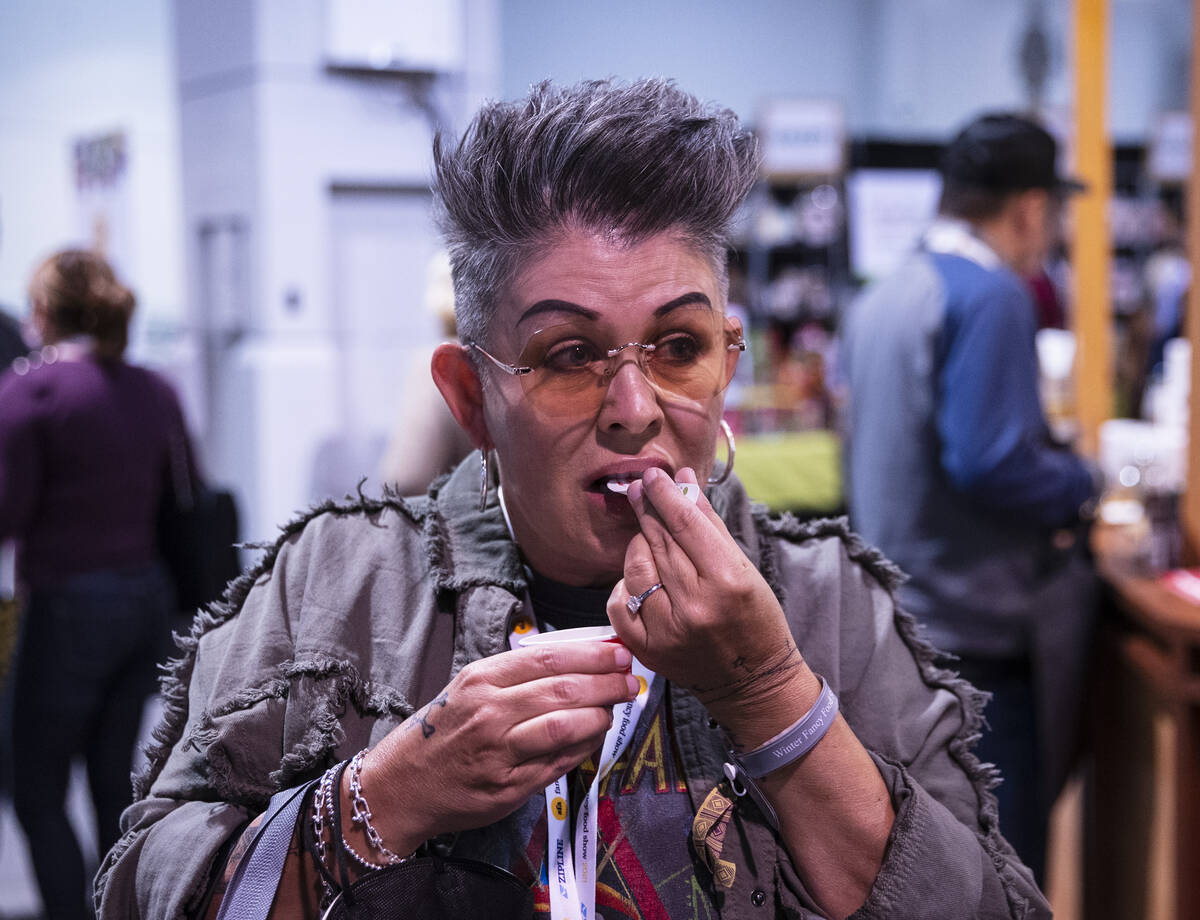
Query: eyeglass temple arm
513	369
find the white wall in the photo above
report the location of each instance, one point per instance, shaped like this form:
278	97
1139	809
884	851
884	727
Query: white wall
731	52
71	68
326	174
903	68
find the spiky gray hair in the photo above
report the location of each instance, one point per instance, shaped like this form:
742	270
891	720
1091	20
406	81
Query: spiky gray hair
627	159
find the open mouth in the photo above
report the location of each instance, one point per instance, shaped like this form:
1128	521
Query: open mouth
618	483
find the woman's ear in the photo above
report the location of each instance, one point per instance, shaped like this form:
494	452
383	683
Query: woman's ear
456	377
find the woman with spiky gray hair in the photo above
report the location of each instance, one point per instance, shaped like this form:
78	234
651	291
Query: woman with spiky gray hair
583	675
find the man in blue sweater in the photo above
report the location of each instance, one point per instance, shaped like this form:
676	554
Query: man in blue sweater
951	468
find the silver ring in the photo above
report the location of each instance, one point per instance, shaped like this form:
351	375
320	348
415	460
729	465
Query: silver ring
635	603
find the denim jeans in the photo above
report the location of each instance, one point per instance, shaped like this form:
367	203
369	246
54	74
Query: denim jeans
85	665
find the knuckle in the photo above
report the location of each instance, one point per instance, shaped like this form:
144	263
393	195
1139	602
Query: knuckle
558	730
566	692
477	724
639	548
548	659
734	583
615	603
470	674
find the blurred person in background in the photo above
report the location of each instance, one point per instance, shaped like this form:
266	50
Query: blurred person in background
951	469
1167	277
86	441
426	440
12	342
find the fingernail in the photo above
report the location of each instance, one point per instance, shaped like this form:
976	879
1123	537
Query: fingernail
651	474
632	683
623	657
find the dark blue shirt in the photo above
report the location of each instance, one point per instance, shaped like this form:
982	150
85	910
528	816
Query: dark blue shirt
950	467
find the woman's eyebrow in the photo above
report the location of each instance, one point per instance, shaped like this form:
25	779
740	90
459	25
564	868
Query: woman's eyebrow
682	301
552	305
557	306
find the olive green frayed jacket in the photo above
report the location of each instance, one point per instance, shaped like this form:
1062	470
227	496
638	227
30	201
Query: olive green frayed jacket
361	612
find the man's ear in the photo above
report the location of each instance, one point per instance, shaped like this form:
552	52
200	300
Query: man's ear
1029	211
456	377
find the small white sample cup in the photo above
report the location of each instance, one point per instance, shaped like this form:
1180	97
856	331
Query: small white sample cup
578	634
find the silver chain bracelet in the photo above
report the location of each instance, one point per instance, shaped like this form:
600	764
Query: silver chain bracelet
361	814
323	815
318	823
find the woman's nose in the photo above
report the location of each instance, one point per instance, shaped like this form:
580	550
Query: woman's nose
631	400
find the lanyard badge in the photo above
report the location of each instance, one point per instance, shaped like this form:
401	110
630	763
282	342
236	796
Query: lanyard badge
572	866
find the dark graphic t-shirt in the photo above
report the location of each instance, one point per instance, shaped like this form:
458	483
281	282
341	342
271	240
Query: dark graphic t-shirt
646	868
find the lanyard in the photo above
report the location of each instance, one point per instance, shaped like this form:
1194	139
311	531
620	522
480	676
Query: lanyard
572	869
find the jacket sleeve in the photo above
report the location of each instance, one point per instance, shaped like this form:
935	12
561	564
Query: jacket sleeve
995	445
216	760
275	686
945	857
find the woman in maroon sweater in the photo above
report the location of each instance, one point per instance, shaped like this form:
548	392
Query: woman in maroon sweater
86	442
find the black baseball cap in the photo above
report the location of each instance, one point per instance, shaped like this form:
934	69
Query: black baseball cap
1005	153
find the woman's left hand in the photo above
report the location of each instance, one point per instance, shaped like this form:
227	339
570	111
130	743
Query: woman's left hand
716	627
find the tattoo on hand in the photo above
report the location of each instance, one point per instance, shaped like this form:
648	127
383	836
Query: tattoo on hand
427	728
788	661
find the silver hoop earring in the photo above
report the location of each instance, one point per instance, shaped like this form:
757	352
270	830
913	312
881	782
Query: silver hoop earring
732	446
483	477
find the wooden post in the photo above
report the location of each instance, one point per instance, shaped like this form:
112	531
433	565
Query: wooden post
1190	506
1090	239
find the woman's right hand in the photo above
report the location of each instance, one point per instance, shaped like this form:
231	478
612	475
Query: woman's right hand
503	729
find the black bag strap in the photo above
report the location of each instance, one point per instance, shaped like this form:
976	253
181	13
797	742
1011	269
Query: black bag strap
252	889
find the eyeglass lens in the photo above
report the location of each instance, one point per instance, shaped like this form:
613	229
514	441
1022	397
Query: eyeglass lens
690	359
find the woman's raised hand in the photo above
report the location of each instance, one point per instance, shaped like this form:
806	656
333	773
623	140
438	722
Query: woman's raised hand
502	730
716	627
